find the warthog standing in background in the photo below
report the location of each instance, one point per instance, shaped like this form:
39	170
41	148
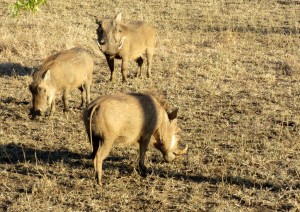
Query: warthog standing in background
62	72
130	119
126	41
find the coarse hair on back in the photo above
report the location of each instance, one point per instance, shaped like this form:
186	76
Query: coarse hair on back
160	98
39	73
49	60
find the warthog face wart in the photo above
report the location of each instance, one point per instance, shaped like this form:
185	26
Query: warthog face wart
167	138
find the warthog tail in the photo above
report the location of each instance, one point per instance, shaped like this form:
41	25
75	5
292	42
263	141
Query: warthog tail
91	112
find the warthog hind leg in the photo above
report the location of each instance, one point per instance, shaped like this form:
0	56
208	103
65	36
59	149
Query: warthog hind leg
149	55
101	154
65	98
83	96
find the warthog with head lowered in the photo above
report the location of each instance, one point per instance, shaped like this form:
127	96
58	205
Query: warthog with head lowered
126	41
130	119
61	72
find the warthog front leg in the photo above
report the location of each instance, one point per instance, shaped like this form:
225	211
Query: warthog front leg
111	65
85	94
149	55
144	142
124	68
87	87
52	106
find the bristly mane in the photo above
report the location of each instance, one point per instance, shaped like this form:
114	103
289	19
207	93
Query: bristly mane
44	67
49	60
160	98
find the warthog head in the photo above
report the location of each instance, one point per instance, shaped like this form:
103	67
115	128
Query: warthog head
111	35
42	93
166	139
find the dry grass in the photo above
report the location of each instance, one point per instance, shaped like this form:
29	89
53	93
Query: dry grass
232	67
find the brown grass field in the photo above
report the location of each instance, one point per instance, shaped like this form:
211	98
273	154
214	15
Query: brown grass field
232	68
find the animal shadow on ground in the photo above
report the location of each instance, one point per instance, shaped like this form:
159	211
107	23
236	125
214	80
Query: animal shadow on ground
232	180
15	69
15	154
8	111
288	2
263	31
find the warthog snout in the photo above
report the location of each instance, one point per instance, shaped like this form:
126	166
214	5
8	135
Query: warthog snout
38	112
34	111
170	156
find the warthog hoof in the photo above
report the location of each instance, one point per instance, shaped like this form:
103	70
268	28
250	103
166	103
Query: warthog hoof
144	172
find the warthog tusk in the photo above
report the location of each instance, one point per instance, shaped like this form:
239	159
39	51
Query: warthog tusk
181	152
99	45
122	42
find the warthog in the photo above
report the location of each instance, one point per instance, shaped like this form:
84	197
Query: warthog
126	41
131	119
61	72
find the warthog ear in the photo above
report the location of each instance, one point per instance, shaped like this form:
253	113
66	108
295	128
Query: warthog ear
173	114
47	75
118	17
32	71
98	21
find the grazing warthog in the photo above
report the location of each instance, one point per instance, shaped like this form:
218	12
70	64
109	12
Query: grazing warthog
126	41
130	119
61	72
